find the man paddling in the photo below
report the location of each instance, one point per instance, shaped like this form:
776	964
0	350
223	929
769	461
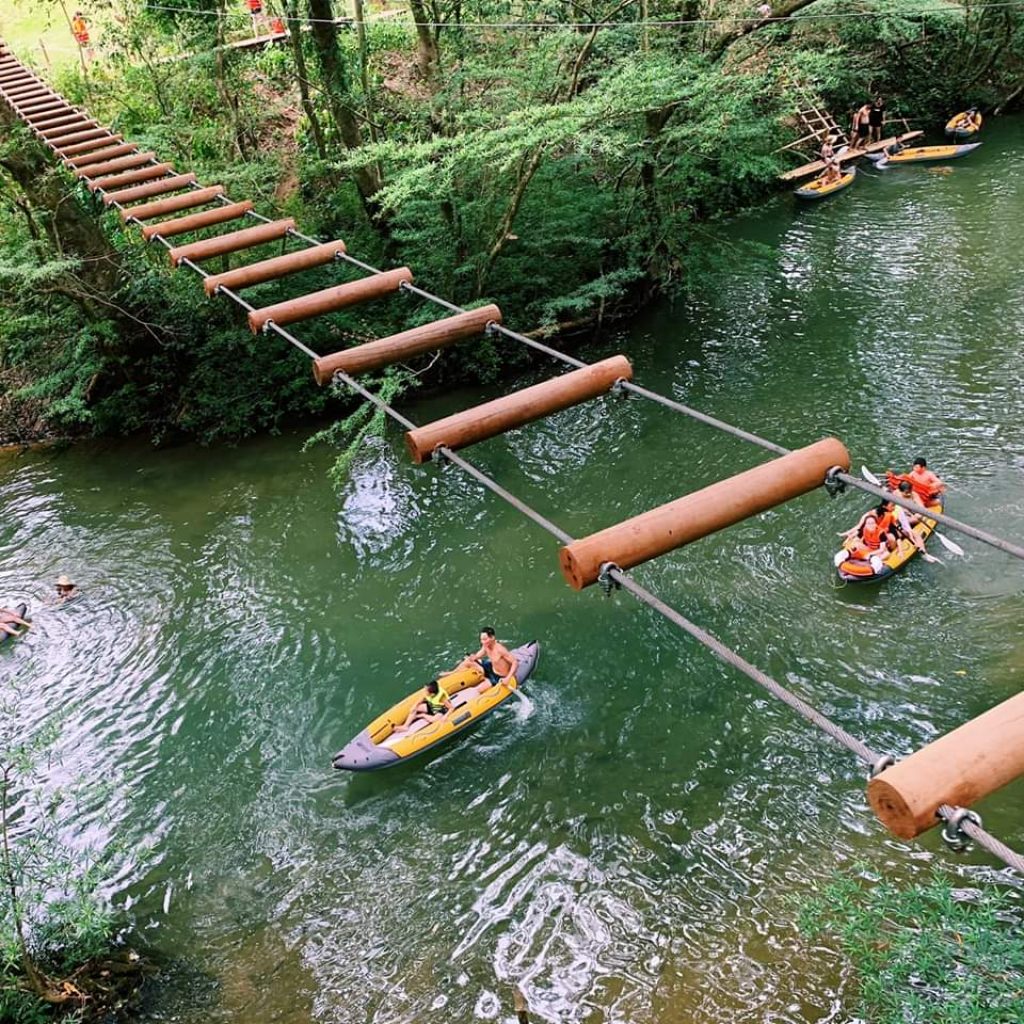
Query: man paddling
494	659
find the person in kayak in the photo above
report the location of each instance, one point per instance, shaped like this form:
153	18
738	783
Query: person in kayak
10	619
494	659
872	544
435	702
927	486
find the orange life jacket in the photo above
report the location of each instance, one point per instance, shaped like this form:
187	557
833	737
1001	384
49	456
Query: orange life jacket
255	6
80	29
925	484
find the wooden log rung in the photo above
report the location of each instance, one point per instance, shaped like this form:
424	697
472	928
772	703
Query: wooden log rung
151	188
49	107
100	156
696	515
197	221
277	267
233	241
80	122
329	300
162	207
73	139
517	409
97	169
135	177
406	345
52	120
90	146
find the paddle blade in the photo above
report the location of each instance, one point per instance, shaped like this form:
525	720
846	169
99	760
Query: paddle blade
869	476
950	545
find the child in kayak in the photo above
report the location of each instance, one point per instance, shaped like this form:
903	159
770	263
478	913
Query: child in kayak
435	702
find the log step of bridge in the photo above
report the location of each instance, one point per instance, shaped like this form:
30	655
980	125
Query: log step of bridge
30	94
77	123
274	268
88	147
197	221
162	207
305	307
517	409
34	120
136	177
54	120
406	345
73	139
234	241
152	188
957	769
99	168
46	107
679	522
100	156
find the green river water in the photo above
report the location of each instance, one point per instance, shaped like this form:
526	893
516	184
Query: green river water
628	846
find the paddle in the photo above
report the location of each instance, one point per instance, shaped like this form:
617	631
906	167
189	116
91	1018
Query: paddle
951	546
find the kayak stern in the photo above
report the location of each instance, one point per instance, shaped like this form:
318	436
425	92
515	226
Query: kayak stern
363	755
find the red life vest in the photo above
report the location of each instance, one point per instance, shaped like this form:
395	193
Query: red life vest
255	6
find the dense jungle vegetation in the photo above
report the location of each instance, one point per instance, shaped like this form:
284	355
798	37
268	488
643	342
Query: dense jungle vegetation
568	170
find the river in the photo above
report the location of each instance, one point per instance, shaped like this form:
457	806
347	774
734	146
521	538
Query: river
631	845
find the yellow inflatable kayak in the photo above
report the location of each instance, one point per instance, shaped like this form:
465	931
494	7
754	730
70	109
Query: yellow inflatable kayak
818	188
917	154
379	746
856	570
963	132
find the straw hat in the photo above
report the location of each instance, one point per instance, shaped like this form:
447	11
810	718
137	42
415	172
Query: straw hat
64	581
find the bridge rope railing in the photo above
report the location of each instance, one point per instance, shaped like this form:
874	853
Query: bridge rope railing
960	821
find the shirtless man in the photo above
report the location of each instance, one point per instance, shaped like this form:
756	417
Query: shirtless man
861	127
498	663
9	619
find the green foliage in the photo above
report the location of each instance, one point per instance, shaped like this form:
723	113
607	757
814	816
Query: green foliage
566	174
54	918
926	953
365	421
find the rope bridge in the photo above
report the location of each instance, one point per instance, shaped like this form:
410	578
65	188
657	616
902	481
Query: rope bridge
165	203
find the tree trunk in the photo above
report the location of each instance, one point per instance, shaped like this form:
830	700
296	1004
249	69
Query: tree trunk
339	97
427	55
302	76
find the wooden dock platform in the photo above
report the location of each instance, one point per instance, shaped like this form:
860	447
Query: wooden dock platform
806	170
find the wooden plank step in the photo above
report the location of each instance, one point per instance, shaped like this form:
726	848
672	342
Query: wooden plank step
90	146
197	221
136	177
274	268
221	245
151	188
162	207
305	307
98	168
100	156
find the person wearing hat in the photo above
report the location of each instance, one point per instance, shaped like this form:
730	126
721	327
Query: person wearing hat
65	589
